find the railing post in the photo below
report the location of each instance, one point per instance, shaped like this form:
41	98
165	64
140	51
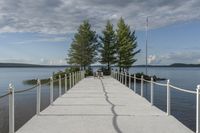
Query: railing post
65	83
59	85
125	79
70	81
122	78
152	91
197	109
38	97
168	98
72	78
129	81
142	85
119	75
134	83
79	75
75	77
51	90
11	109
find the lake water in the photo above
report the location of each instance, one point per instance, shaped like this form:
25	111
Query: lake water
183	105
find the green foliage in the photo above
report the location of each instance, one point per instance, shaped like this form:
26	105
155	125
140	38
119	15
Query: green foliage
89	72
126	45
55	76
83	49
108	46
146	77
72	69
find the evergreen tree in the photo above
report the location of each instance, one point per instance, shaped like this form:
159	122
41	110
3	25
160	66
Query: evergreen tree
126	45
83	49
108	46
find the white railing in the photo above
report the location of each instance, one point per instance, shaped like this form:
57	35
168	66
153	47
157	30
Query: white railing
73	78
120	77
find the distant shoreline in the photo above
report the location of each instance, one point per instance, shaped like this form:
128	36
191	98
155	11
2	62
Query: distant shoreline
28	65
22	65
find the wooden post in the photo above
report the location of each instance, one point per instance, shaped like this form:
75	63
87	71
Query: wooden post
11	109
197	109
168	99
60	87
65	83
129	81
142	84
38	97
51	90
134	83
125	79
70	80
152	92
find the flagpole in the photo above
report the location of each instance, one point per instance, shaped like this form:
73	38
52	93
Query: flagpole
146	70
146	46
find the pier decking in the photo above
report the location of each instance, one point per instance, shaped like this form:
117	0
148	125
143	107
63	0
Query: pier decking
102	106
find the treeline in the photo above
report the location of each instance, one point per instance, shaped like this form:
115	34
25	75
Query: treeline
112	47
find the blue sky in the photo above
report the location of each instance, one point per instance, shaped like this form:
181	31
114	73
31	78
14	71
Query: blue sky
41	31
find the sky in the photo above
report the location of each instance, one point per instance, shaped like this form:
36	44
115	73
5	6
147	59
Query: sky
41	31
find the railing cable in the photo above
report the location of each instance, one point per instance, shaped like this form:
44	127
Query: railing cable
4	95
183	90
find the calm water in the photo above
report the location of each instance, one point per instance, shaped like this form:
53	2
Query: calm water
25	103
183	104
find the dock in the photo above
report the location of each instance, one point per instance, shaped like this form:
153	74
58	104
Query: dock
102	105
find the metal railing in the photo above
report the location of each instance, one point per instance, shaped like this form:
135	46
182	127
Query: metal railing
120	77
73	77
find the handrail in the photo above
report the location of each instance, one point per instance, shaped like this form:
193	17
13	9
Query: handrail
118	75
74	77
164	85
149	81
183	90
24	90
161	84
2	96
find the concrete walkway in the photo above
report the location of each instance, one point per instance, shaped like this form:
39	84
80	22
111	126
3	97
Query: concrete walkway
102	106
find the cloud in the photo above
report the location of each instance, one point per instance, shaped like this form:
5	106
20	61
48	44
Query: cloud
52	61
15	60
42	40
192	57
153	59
64	16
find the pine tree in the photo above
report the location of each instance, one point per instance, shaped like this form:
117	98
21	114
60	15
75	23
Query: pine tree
108	46
83	49
126	45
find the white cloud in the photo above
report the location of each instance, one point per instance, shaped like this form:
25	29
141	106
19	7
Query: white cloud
42	40
192	57
153	59
64	16
15	60
52	61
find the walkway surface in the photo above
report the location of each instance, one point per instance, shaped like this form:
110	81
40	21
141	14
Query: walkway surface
102	106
